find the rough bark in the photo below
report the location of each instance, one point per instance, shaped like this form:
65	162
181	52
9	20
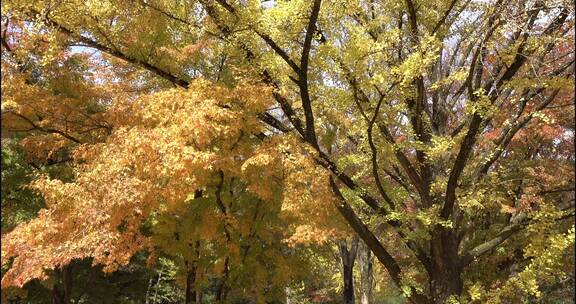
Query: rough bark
446	275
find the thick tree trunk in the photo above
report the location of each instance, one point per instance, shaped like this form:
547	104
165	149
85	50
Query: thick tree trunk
348	258
446	277
445	284
366	260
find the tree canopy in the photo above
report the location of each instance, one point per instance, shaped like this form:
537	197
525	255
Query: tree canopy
232	143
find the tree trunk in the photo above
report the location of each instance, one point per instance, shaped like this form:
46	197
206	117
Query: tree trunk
57	298
63	297
67	282
366	260
348	257
191	296
445	284
348	292
288	294
222	288
446	277
190	286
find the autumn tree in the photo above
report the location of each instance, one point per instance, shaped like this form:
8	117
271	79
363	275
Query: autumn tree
441	132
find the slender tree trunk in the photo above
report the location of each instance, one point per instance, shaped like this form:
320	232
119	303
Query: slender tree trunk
288	294
222	288
191	296
63	297
190	286
67	282
348	283
366	260
148	290
348	258
57	298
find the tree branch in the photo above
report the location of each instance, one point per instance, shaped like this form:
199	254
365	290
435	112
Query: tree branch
520	223
116	53
443	19
46	130
303	81
470	138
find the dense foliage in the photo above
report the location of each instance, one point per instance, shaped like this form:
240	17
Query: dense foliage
295	151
